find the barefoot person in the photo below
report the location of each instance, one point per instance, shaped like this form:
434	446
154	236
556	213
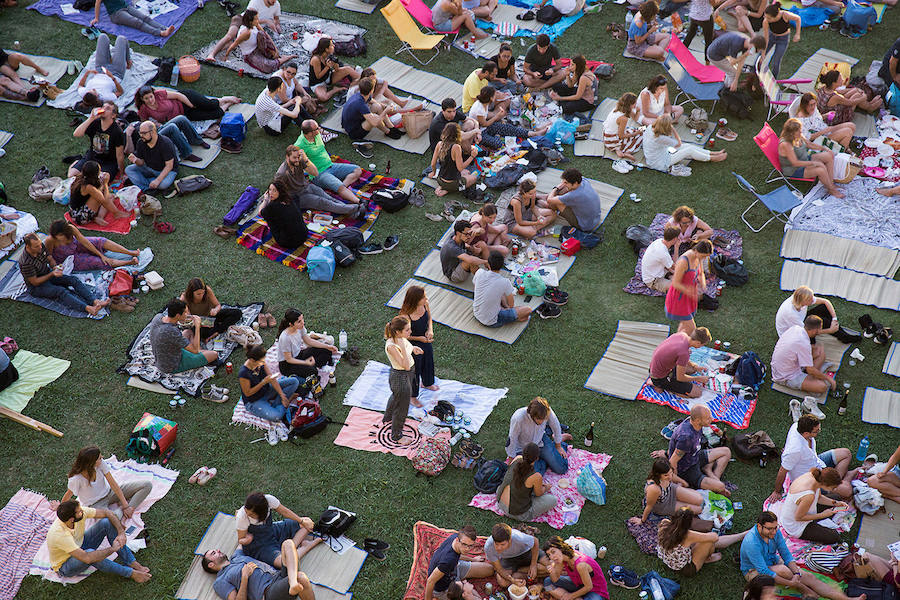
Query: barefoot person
796	161
257	48
262	539
415	308
245	578
524	217
457	263
514	555
522	494
67	240
10	80
400	354
175	350
73	549
684	550
326	73
123	14
572	574
92	482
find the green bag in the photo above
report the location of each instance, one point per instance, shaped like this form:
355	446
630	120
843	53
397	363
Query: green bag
534	283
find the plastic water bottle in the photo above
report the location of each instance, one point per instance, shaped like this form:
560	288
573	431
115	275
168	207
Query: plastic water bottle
174	80
455	440
342	337
863	449
656	590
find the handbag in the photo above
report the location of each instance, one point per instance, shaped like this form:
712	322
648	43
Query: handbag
416	123
698	120
121	283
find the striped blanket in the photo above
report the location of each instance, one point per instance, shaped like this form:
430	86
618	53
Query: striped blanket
23	529
255	233
726	408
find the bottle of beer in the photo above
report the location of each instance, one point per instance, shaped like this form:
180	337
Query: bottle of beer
589	436
842	407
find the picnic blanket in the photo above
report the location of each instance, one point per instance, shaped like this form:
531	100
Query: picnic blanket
786	592
35	371
141	362
175	15
371	391
255	234
411	80
113	224
12	286
734	248
124	471
879	406
356	6
23	528
309	30
56	69
365	431
725	407
560	516
141	72
524	28
716	508
25	223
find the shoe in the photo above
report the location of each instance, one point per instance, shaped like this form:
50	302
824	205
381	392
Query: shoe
883	335
371	248
231	146
282	431
625	578
376	544
680	171
621	166
811	405
417	198
204	478
43	172
391	242
724	133
375	553
197	474
796	412
339	99
394	133
556	297
272	436
364	149
847	336
548	311
668	430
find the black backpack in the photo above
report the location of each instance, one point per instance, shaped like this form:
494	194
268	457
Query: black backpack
506	177
343	256
729	270
334	522
605	71
738	103
166	64
639	236
548	15
391	200
873	589
489	476
352	47
351	237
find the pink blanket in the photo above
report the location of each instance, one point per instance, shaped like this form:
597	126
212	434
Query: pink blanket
365	431
556	518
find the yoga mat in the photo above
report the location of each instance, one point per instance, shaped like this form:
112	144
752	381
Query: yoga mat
623	369
124	471
5	136
416	81
455	311
725	408
371	392
56	69
834	353
628	54
840	252
405	143
365	431
485	48
142	70
813	65
334	571
878	530
843	283
35	371
892	361
113	225
23	528
140	384
558	517
356	6
881	407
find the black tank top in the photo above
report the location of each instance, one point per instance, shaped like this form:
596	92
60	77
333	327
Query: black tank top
449	171
77	199
779	27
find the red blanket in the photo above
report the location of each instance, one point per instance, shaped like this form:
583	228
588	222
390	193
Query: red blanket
121	225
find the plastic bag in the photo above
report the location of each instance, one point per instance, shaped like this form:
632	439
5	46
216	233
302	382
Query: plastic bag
563	130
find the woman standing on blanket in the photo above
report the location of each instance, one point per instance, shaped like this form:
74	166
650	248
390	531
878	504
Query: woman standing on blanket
163	105
686	551
326	71
524	217
776	28
662	497
701	14
89	197
257	48
67	240
693	229
653	102
618	136
400	353
578	91
202	302
687	281
815	126
522	494
796	160
663	147
835	95
92	482
265	394
490	117
448	157
415	308
298	352
125	15
573	574
799	514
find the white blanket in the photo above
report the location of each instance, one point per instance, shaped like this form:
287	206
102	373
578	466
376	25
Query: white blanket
141	71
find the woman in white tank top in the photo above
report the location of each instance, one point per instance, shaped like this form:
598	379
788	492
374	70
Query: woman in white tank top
799	514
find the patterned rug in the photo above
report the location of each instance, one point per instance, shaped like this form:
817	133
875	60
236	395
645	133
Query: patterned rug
255	233
637	286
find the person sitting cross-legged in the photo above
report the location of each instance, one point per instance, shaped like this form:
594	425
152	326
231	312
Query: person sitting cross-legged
684	550
494	303
793	363
656	263
334	177
514	555
671	367
577	201
73	548
174	350
154	160
663	497
357	119
261	538
447	564
456	262
522	494
326	71
888	481
448	166
491	115
524	215
699	469
245	578
488	234
539	70
294	175
578	91
202	301
265	394
538	424
284	219
90	200
765	552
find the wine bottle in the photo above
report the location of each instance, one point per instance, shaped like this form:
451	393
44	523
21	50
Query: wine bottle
842	407
589	436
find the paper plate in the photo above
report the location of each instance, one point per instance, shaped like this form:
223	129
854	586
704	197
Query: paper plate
872	142
885	150
871	161
876	172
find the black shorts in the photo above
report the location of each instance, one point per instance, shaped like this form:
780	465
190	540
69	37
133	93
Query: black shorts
671	384
694	476
357	134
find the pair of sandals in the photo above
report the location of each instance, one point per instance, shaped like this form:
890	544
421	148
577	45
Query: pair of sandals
202	475
266	320
225	232
124	304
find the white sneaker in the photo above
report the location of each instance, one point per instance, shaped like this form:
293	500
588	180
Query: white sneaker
620	166
282	431
680	171
796	413
272	437
811	406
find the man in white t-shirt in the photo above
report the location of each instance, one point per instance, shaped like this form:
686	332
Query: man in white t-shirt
515	555
793	364
656	264
103	85
261	538
799	456
269	12
494	302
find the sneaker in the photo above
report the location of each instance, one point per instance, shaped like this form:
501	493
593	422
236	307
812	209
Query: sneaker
724	133
883	335
668	430
282	431
556	290
869	326
794	407
391	242
680	171
811	405
272	437
556	297
364	149
548	311
417	198
376	544
622	577
847	336
621	166
371	248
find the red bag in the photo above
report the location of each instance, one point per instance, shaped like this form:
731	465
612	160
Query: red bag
306	412
121	284
570	246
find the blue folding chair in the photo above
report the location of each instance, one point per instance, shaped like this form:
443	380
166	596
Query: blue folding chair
779	202
693	90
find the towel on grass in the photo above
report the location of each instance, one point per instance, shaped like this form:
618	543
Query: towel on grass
35	371
558	517
371	391
124	471
141	362
23	528
142	71
725	407
113	224
25	223
364	430
637	286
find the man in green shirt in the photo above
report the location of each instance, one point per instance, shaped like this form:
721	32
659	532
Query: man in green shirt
335	177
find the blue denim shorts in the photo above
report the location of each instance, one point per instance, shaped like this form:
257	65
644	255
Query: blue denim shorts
505	316
827	457
333	177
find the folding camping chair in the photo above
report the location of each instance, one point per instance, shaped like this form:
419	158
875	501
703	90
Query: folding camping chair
777	99
420	11
693	90
779	203
767	140
702	73
405	28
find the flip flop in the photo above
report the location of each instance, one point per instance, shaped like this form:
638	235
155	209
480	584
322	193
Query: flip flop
271	319
197	474
206	476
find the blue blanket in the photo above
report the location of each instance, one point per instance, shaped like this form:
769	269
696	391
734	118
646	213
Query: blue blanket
554	31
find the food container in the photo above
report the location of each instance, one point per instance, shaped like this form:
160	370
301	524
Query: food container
154	280
7	233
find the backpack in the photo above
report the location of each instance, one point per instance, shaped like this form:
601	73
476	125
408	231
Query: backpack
738	103
872	588
750	371
354	46
506	177
320	262
729	270
311	386
489	476
391	200
548	15
308	421
891	102
334	522
639	236
745	449
342	254
432	456
588	240
605	71
232	126
708	302
242	206
164	73
351	237
42	190
188	185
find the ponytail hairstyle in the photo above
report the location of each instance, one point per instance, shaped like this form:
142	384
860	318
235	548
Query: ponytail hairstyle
290	317
673	531
486	94
85	462
558	543
703	247
659	468
829	477
395	327
525	467
488	210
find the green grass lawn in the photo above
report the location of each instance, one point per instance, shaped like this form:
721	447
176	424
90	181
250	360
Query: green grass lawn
92	405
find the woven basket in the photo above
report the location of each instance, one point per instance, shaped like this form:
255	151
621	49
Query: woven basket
188	68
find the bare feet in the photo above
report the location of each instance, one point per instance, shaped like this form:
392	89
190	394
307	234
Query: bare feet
210	58
836	193
415	402
440	192
121	214
480	34
139	567
140	576
121	263
714	557
305	546
433	388
100	221
404	441
295	589
887	191
718	156
167	31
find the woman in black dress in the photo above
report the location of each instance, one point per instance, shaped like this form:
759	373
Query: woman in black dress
415	307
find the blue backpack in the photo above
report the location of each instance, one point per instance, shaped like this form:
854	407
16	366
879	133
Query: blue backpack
232	126
892	100
320	263
751	371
